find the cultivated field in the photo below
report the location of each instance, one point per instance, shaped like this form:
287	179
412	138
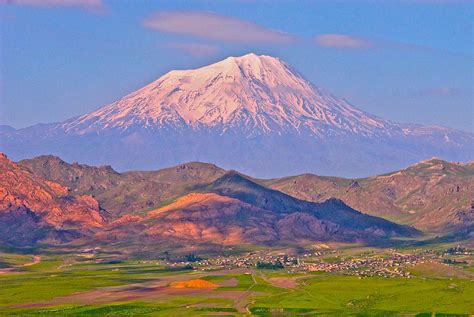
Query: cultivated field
86	284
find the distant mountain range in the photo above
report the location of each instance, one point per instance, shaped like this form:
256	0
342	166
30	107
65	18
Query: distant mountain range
252	113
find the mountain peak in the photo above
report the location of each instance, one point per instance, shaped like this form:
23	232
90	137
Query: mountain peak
257	94
252	59
257	67
250	55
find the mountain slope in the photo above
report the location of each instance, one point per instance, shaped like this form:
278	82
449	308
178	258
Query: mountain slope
335	211
209	206
209	218
433	195
121	193
33	208
258	94
251	113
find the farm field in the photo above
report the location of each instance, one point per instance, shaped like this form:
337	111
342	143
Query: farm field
73	285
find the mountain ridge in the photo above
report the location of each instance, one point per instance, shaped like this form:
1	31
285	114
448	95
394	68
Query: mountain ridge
431	195
231	208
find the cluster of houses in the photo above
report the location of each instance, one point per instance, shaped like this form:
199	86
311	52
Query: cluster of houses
248	260
458	250
388	265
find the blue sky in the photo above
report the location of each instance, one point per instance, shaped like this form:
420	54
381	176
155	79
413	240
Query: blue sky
408	61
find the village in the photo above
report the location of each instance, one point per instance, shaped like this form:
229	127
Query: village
388	264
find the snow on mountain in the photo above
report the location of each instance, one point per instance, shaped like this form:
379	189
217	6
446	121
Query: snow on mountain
251	113
261	94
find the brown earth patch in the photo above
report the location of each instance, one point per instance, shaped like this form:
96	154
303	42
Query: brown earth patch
284	282
198	283
435	269
229	283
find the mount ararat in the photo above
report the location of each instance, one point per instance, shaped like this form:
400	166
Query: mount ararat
251	113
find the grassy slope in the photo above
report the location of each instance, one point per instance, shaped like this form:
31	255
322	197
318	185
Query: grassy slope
351	294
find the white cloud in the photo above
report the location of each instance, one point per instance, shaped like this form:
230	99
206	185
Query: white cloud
343	41
215	27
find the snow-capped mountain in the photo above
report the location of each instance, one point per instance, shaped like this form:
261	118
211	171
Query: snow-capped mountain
260	94
252	113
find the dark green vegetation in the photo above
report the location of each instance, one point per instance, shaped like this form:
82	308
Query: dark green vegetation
192	258
78	285
269	265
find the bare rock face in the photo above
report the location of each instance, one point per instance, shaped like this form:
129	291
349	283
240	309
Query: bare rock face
433	195
31	203
201	218
213	206
306	227
211	218
121	193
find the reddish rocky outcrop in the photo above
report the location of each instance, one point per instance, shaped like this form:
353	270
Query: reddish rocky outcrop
42	204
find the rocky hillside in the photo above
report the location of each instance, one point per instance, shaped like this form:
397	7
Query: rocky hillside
433	195
233	210
33	208
198	204
122	193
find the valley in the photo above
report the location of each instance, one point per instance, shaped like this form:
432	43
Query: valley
94	283
198	240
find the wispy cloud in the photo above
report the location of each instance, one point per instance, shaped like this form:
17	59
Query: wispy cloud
439	92
85	4
215	27
347	41
343	41
195	49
